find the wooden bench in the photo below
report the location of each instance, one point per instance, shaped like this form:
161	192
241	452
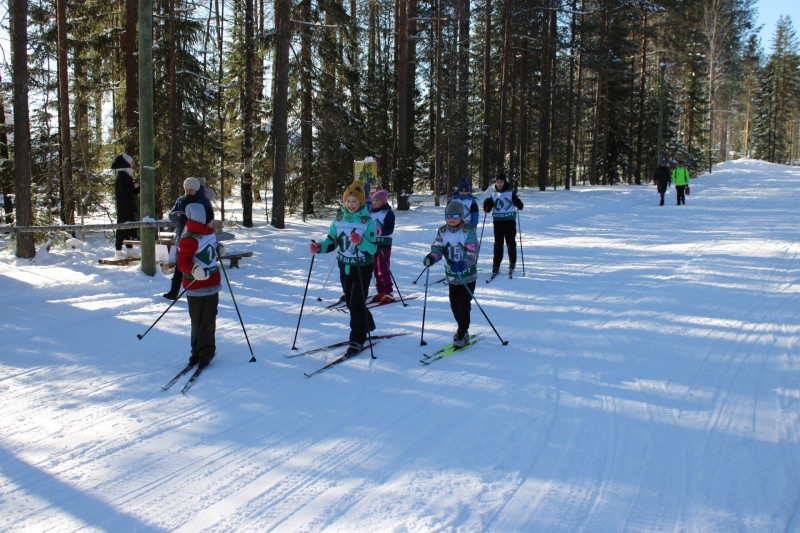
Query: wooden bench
160	240
234	257
124	261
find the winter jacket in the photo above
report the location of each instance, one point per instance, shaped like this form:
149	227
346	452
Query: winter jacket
384	225
338	238
470	205
459	246
125	190
177	213
502	203
198	246
662	178
680	176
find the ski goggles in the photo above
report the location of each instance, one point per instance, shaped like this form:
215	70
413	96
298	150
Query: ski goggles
448	217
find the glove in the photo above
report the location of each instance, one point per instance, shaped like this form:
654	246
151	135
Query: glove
457	267
429	260
199	273
315	248
378	232
355	238
487	205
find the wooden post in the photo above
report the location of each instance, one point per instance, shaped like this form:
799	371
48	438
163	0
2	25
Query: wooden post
146	151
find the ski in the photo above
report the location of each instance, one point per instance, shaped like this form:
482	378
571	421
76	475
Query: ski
491	277
339	345
193	379
178	376
341	359
447	351
337	303
372	305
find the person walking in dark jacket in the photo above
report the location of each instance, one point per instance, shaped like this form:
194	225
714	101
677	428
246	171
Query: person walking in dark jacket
503	204
195	194
662	179
126	190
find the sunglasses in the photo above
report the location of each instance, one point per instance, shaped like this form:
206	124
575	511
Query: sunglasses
448	217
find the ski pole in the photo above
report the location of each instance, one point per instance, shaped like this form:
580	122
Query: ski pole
482	228
362	291
420	275
521	250
140	336
252	355
485	315
424	307
398	289
319	298
310	268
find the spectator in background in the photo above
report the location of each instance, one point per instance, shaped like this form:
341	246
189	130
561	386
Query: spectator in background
662	179
125	191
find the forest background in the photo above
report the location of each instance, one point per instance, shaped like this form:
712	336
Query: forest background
281	98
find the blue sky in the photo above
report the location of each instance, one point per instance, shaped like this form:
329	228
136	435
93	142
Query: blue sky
768	13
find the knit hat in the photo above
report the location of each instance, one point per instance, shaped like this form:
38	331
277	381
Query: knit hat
502	176
382	195
191	183
123	162
196	212
354	189
454	208
464	185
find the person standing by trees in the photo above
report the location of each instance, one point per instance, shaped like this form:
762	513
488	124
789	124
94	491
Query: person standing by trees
125	191
680	177
503	204
383	217
352	234
662	179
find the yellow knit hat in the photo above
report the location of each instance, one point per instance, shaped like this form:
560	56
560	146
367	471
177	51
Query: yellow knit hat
355	189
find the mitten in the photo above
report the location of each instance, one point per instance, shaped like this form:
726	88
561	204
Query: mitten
315	248
378	232
487	205
457	267
199	273
429	260
355	238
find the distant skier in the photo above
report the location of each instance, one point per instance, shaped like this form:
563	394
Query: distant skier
464	195
383	217
503	204
457	242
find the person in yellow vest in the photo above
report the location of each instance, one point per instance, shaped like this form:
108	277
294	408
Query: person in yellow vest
680	177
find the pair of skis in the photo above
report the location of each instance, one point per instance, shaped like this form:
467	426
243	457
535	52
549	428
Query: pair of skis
494	275
341	305
342	358
447	351
192	380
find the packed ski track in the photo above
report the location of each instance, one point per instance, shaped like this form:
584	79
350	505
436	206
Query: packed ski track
650	382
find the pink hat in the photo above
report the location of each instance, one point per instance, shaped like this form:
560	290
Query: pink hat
382	195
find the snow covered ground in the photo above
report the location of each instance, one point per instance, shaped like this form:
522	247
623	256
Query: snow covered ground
651	381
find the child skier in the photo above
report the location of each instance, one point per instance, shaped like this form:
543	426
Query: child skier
464	195
457	243
197	260
383	217
503	204
352	234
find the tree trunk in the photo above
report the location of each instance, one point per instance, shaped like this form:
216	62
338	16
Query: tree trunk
67	191
129	46
283	13
22	134
486	130
247	111
506	78
306	108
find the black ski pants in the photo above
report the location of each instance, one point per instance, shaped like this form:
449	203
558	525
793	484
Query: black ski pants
203	314
355	287
460	305
505	232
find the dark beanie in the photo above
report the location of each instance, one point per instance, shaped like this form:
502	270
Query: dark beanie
464	185
502	176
